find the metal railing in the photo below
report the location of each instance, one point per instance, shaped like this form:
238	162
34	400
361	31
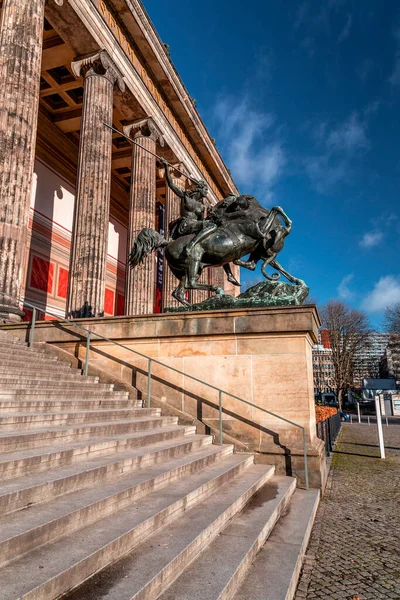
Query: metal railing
328	430
150	361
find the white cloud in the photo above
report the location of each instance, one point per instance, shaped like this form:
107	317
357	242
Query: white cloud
371	239
248	140
344	34
339	147
316	17
324	174
344	291
385	293
348	136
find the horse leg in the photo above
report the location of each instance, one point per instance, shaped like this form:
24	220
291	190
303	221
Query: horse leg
289	277
194	272
179	292
230	276
247	264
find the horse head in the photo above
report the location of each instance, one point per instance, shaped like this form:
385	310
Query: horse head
273	233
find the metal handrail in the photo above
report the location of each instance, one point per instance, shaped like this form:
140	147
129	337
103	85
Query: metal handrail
89	337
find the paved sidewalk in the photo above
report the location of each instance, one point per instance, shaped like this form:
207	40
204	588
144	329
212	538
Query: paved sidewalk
354	550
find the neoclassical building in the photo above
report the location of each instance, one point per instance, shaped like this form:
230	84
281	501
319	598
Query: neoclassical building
73	194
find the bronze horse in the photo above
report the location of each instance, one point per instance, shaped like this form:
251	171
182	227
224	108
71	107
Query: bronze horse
256	231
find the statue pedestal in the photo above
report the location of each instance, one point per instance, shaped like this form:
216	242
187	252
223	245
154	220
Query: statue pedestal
263	355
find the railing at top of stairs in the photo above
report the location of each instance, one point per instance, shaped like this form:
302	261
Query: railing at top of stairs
150	361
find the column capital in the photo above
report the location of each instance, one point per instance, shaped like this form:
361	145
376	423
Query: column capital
144	128
59	2
98	63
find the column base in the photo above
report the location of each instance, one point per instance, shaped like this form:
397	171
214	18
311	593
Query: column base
10	314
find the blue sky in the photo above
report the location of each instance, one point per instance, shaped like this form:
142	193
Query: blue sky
303	99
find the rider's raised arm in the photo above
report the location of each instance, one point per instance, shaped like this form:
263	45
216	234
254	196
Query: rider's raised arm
180	193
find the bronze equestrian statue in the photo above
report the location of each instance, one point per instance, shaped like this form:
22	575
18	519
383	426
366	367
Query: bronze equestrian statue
235	227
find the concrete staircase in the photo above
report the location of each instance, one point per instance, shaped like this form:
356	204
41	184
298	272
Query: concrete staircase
101	498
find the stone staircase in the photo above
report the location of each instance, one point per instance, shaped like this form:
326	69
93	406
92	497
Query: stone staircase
101	498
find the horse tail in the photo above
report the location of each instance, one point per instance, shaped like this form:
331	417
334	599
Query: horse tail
146	242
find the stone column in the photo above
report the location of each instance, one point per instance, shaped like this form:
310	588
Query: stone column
173	206
92	205
140	282
21	34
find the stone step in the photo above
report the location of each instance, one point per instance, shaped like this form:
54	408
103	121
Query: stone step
19	422
11	441
22	462
151	567
70	560
54	394
21	532
8	336
30	489
13	342
51	370
13	379
275	572
41	360
19	349
59	405
219	570
47	384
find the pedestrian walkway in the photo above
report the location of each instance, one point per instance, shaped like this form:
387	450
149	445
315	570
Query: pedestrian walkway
354	550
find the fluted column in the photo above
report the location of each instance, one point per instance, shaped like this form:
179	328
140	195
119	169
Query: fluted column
140	282
21	34
173	206
92	205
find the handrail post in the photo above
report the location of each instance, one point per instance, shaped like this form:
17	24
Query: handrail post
305	457
32	331
149	384
86	368
220	416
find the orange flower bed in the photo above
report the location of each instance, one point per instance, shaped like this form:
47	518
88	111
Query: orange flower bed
324	412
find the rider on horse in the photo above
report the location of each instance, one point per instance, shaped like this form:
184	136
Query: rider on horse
192	207
192	218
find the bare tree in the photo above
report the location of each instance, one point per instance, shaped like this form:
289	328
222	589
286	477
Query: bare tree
349	332
392	318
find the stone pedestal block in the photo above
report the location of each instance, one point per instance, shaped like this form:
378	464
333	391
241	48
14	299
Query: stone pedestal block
140	282
91	215
260	355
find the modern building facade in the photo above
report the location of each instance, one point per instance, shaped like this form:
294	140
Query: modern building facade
367	360
73	194
390	361
366	364
323	367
